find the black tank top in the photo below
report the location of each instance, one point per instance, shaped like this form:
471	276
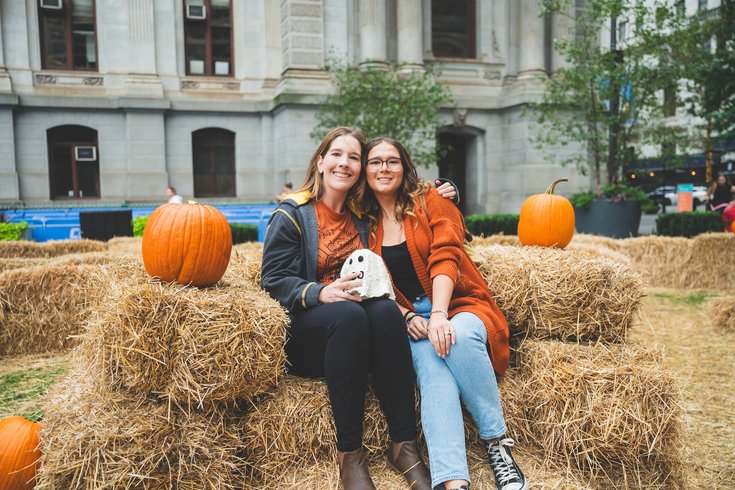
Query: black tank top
398	260
722	194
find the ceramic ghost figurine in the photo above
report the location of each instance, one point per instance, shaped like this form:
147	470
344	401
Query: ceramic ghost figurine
375	279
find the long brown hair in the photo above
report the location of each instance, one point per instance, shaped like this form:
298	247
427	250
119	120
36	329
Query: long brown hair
313	182
411	187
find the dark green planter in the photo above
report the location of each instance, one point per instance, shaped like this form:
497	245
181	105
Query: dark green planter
606	218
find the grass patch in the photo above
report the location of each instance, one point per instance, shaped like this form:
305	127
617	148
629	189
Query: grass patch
693	299
21	391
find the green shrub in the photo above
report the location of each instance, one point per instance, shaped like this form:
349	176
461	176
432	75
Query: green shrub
689	224
619	192
243	233
139	225
12	231
492	224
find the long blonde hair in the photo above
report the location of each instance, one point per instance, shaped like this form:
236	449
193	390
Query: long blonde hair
313	182
411	187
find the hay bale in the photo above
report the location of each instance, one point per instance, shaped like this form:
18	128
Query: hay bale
706	261
594	251
722	312
658	259
325	474
245	264
16	263
551	293
26	249
126	245
711	262
190	346
40	307
93	437
294	427
613	244
612	412
484	241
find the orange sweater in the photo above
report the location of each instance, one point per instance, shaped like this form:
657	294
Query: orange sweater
435	243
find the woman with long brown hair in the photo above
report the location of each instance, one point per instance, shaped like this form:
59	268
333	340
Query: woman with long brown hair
459	336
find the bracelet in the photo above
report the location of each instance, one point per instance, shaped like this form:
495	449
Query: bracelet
405	315
409	318
439	310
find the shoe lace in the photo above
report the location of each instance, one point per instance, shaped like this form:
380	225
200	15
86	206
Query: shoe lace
502	462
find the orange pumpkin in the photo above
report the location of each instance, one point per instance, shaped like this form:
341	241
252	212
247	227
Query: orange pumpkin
19	453
187	243
546	219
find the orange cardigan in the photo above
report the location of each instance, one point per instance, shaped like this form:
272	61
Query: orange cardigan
435	243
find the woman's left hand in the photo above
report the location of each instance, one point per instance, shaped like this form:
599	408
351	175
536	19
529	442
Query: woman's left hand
441	334
446	190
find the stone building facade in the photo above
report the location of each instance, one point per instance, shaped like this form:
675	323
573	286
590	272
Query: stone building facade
105	102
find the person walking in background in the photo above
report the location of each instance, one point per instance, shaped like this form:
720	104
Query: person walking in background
172	196
720	194
449	313
285	191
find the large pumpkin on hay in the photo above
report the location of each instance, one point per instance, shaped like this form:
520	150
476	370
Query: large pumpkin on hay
187	243
19	453
546	220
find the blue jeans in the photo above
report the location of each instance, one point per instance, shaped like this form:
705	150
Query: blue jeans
466	374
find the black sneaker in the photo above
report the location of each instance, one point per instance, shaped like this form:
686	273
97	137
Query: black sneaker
508	476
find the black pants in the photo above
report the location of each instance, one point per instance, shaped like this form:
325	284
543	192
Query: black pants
344	341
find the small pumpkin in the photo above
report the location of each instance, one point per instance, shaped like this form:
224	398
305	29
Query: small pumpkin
546	219
19	453
187	243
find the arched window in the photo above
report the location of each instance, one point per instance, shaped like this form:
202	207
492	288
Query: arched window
74	170
213	151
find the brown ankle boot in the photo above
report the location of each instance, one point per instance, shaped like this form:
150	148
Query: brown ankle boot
353	471
405	458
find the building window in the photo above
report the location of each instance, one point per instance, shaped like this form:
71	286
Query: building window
74	169
208	35
68	39
453	28
213	151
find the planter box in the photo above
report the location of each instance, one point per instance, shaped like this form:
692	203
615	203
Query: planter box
606	218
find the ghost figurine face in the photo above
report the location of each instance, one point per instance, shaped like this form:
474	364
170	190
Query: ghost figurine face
371	269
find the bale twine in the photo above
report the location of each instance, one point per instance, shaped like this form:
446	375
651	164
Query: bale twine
42	307
190	346
27	250
722	312
551	293
93	437
612	412
245	264
294	427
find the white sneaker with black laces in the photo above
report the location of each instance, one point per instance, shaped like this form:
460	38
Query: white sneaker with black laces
508	476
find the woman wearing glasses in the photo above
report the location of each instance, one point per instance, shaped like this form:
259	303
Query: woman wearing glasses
449	314
334	334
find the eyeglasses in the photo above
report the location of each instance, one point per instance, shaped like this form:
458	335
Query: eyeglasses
376	164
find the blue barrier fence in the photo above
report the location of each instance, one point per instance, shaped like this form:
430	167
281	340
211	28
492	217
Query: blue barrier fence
63	223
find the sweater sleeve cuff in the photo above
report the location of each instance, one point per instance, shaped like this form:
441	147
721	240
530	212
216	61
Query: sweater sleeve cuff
447	268
310	295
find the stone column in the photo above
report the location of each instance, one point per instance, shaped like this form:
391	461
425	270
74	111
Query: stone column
142	79
373	40
5	85
531	35
561	29
410	34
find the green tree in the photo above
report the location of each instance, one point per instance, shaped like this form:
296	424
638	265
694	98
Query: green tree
403	105
609	97
708	50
